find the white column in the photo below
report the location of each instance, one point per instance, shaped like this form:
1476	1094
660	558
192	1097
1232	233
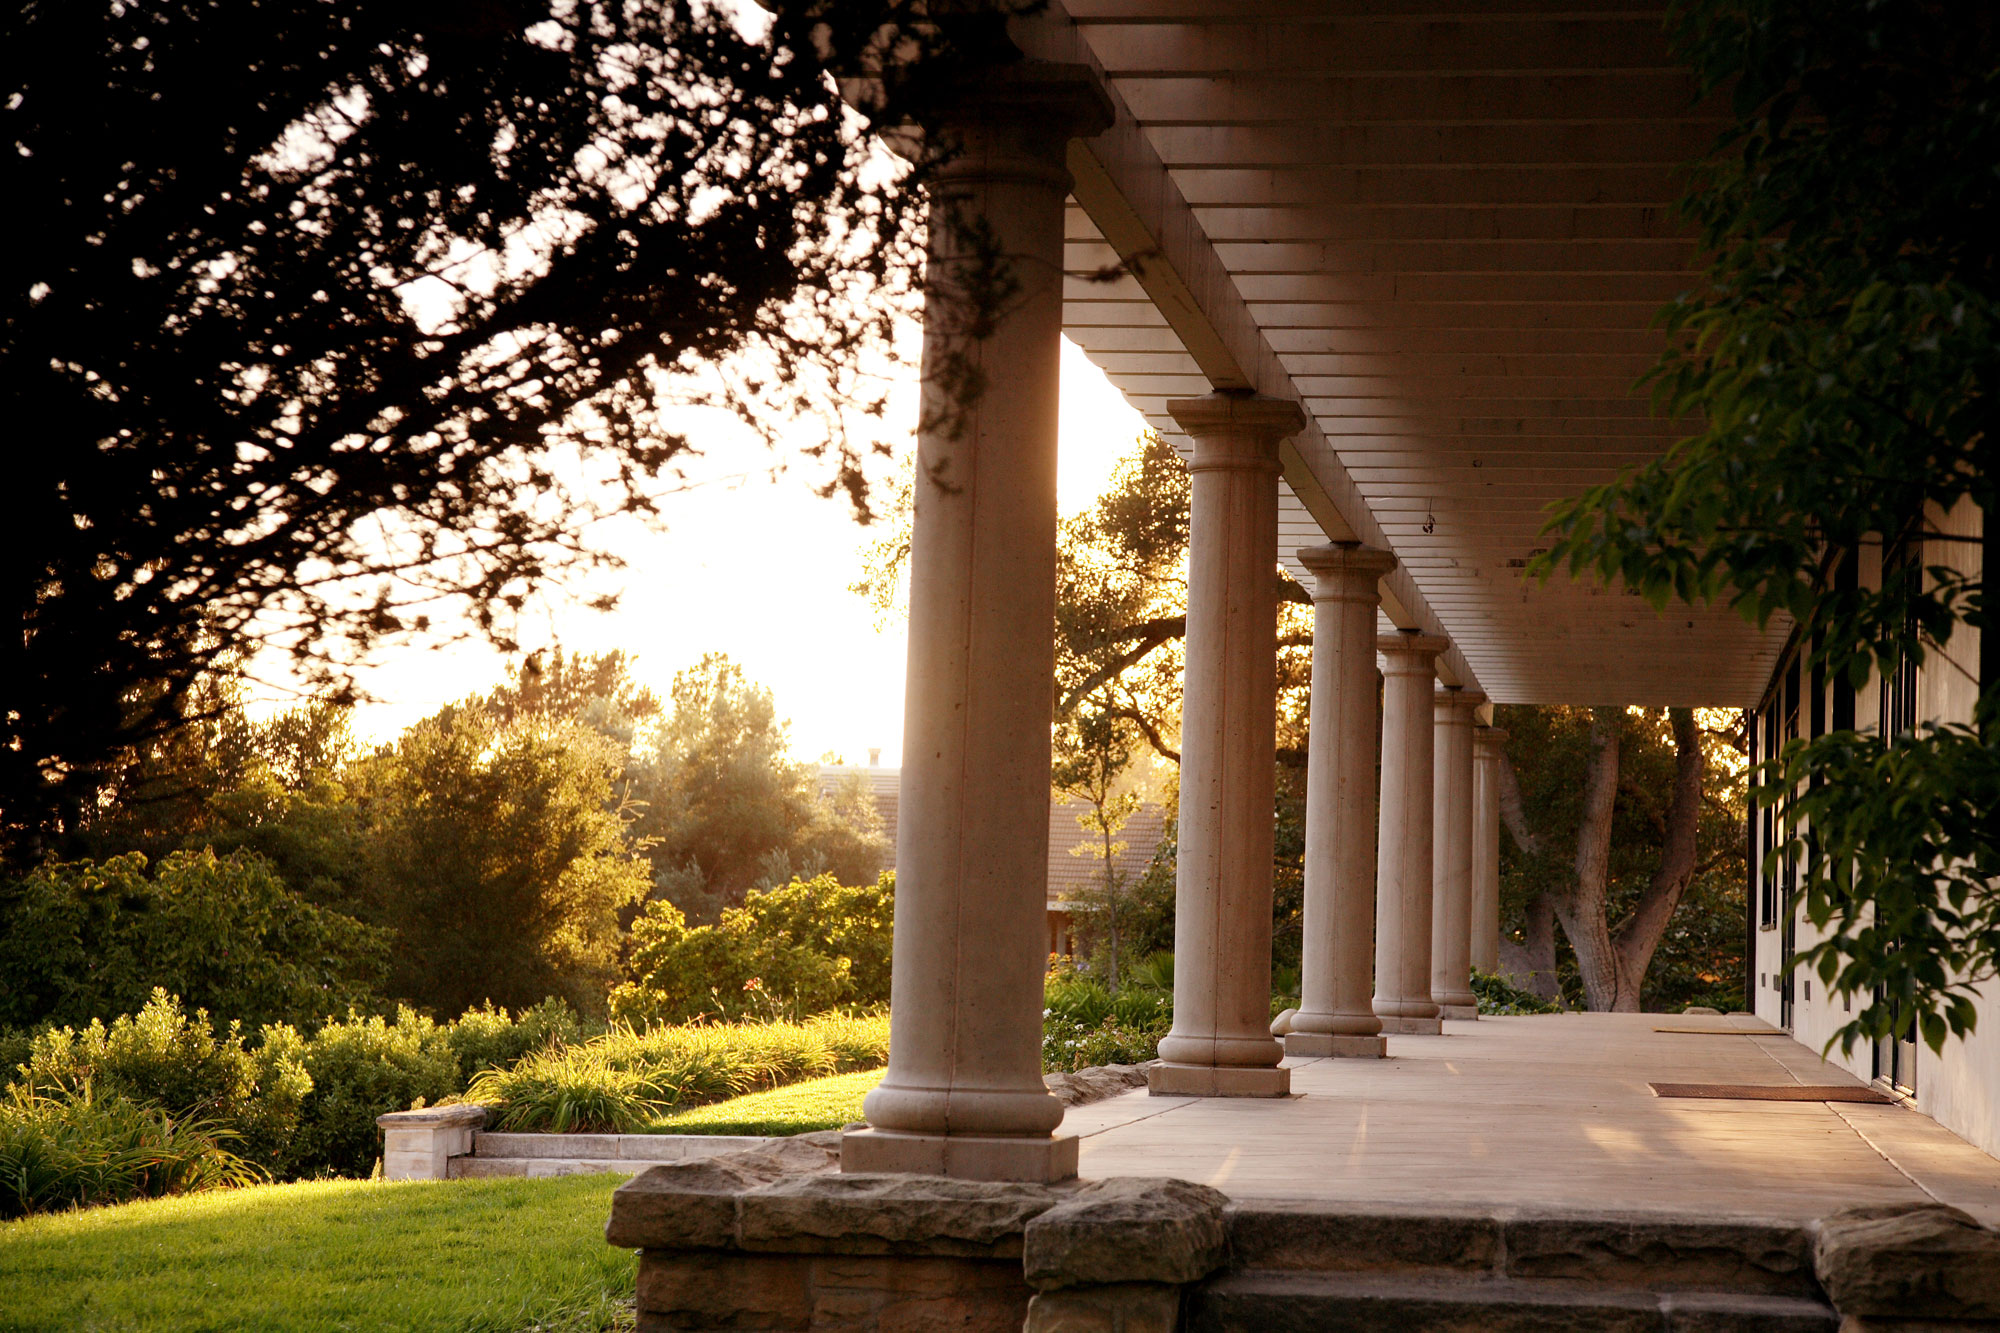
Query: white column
1221	1043
1337	971
963	1095
1403	861
1486	749
1451	854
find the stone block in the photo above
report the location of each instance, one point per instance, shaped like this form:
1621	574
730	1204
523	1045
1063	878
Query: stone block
546	1145
896	1294
1339	1044
1125	1307
1773	1258
419	1145
1350	1238
1128	1229
685	1205
1175	1080
962	1156
1909	1261
1458	1011
890	1214
763	1292
1735	1312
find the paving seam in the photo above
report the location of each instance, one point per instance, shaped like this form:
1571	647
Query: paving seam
1882	1153
1150	1115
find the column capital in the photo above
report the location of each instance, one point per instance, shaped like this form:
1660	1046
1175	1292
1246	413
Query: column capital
1013	120
1408	652
1488	740
1235	430
1346	570
1453	697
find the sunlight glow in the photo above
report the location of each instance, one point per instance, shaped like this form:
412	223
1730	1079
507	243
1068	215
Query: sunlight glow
757	566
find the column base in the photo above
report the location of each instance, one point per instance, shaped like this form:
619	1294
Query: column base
1458	1011
961	1156
1170	1080
1413	1027
1337	1044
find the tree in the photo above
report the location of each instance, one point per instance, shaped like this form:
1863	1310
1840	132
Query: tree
725	809
498	857
787	952
324	315
1613	815
1092	756
81	940
1837	364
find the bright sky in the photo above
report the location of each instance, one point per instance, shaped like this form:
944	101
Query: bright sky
759	569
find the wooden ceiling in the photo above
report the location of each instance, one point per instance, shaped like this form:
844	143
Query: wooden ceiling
1447	231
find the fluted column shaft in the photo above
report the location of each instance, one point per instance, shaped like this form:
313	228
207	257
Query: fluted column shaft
1221	1044
963	1094
1335	1016
1486	751
1403	862
1451	853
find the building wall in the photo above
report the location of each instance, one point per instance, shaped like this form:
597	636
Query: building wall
1960	1088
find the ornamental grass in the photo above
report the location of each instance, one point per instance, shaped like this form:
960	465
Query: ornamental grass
628	1078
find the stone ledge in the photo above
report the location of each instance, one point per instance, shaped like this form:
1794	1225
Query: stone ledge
1609	1248
459	1115
1097	1083
629	1147
1890	1264
776	1238
1128	1229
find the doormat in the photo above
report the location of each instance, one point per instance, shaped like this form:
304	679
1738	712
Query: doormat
1727	1032
1788	1092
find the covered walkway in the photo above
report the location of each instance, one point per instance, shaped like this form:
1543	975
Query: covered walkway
1550	1114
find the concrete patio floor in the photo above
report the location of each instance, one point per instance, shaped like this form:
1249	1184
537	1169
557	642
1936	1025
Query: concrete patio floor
1550	1114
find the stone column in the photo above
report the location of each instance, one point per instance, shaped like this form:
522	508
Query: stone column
1486	749
1221	1044
963	1095
1403	861
1451	854
1335	1017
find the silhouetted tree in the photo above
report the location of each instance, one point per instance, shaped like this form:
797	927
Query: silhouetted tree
320	314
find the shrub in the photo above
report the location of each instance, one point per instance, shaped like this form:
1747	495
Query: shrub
488	1038
82	939
1070	997
84	1148
1068	1046
164	1058
786	953
362	1068
16	1045
571	1091
1497	995
1084	1024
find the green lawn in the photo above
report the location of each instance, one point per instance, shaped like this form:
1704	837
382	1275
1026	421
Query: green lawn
800	1108
463	1256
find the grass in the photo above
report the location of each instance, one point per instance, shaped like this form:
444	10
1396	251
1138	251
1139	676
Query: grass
821	1103
463	1256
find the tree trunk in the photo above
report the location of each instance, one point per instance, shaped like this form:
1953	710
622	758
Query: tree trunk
1531	964
1582	909
1638	935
